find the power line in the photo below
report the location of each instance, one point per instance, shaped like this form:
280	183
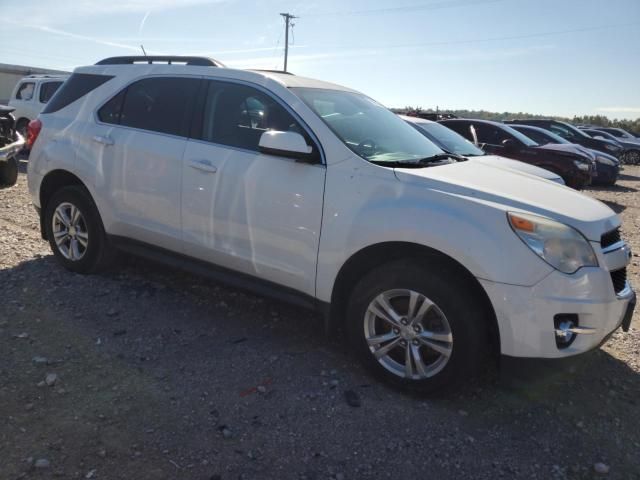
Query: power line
408	8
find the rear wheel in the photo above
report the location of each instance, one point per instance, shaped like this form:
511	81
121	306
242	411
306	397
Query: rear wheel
75	232
9	172
409	326
632	157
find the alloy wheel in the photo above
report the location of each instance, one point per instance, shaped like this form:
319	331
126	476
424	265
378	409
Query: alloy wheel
408	334
70	231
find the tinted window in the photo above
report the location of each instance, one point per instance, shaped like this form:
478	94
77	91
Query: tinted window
238	115
538	137
160	104
75	87
449	140
25	92
47	90
490	135
460	128
110	111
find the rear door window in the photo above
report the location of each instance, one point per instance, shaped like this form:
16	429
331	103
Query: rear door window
25	91
158	104
47	90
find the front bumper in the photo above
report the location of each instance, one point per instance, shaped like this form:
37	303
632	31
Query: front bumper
11	150
526	314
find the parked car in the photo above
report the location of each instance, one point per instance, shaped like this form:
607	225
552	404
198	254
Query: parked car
30	95
11	143
576	169
318	195
619	133
574	135
631	153
607	166
452	142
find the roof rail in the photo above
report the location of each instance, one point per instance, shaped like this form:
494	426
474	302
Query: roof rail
271	71
169	59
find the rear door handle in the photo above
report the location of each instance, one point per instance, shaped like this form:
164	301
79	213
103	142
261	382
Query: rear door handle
103	139
203	166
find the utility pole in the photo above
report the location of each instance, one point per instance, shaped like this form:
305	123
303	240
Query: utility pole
287	19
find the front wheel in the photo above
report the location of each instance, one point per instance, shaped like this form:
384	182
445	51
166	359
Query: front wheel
410	326
75	232
9	172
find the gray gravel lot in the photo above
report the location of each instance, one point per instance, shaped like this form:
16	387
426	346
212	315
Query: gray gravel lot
149	373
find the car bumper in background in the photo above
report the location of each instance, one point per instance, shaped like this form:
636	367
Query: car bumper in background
11	150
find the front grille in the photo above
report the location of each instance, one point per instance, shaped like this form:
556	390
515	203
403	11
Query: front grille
610	238
619	279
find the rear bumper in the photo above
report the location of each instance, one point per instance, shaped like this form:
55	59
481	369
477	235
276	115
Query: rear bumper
526	314
11	150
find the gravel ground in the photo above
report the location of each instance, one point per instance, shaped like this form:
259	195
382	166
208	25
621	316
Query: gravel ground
149	373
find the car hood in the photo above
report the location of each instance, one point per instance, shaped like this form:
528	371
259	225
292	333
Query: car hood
502	162
509	190
568	148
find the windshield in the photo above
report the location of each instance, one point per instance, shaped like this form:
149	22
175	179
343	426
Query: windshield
366	127
541	135
446	138
577	132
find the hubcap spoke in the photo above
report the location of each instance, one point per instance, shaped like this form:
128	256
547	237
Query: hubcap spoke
417	358
74	215
382	309
381	352
442	349
437	336
408	367
379	339
62	217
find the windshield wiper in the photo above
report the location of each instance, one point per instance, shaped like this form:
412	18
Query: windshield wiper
437	159
441	156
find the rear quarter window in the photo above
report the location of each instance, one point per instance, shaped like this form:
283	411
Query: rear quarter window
75	87
47	90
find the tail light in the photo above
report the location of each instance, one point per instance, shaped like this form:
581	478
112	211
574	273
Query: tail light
33	130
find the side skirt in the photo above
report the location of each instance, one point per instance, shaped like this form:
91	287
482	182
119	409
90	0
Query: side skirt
219	274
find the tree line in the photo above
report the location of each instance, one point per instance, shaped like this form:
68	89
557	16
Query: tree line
596	120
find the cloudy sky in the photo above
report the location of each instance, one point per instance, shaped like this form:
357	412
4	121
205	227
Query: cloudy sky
560	57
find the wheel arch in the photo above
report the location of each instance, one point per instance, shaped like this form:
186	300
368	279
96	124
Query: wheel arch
373	256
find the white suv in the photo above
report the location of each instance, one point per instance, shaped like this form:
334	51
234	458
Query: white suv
318	195
30	95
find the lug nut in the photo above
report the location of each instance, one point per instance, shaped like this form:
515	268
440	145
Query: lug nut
403	321
416	343
396	331
416	329
403	343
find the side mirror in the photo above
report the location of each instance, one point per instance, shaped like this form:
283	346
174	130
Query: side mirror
286	144
509	145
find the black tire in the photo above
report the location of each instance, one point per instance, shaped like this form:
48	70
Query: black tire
9	172
98	253
453	295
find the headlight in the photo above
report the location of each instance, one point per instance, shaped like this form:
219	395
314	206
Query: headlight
561	246
611	148
584	166
606	161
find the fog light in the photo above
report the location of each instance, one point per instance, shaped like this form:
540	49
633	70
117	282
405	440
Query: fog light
567	329
564	324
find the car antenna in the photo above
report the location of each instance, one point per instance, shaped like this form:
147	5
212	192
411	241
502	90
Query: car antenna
142	47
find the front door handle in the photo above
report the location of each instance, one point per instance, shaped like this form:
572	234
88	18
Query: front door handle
203	166
103	139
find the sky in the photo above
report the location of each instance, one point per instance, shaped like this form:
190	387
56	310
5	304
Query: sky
550	57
